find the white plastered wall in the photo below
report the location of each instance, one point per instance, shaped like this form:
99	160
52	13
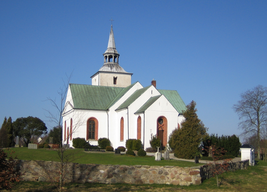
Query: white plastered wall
106	79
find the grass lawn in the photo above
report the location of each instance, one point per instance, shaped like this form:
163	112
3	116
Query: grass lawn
79	156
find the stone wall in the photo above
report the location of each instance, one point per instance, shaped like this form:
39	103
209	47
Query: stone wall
138	174
81	173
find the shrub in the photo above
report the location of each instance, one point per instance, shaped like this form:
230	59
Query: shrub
141	152
122	149
41	146
80	143
109	148
155	142
46	145
129	144
130	152
9	173
103	143
133	144
137	144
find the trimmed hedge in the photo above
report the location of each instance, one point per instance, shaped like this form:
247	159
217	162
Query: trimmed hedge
122	149
80	143
130	152
109	148
133	144
103	143
141	152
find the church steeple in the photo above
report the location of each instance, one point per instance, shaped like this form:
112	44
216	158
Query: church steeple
111	73
111	55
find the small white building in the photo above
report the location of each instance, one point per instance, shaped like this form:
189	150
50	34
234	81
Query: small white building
114	108
248	153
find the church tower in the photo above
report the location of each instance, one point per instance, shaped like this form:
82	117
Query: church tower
111	73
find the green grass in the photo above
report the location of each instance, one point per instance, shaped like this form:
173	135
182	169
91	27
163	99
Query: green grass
79	156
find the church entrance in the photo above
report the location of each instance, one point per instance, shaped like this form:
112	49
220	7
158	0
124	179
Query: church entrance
162	130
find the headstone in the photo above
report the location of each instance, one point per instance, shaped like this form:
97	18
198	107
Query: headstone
117	151
51	140
158	155
17	141
32	146
247	153
166	155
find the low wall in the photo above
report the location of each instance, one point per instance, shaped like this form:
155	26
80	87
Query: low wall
81	173
138	174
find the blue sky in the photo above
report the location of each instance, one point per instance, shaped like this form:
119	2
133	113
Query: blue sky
209	51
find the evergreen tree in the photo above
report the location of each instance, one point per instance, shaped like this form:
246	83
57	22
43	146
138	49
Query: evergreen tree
10	135
3	135
185	141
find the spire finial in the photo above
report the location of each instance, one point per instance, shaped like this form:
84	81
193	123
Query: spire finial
111	20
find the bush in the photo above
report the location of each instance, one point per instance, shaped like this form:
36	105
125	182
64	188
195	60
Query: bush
103	143
80	143
41	146
141	152
155	142
137	145
129	144
130	152
46	145
122	149
9	173
109	148
133	144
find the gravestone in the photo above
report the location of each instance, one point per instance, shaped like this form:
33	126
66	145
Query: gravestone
51	140
117	151
166	155
32	146
17	141
158	155
247	153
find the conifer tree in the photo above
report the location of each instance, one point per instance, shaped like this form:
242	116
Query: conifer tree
9	130
3	135
185	141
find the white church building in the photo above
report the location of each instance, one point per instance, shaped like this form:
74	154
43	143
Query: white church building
114	108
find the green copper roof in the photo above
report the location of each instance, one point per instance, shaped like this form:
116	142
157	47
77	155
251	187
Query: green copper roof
132	98
175	99
147	104
94	97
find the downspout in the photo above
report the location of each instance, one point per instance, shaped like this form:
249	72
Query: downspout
144	130
108	123
128	120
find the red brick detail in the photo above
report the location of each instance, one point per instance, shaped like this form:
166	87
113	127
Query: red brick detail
122	129
139	127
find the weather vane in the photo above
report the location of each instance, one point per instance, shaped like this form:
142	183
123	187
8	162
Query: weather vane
111	21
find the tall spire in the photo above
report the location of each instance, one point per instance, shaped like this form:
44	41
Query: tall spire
111	41
111	55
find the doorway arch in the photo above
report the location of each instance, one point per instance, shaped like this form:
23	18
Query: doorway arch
162	125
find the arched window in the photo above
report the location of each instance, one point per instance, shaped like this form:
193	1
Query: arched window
70	129
92	129
122	129
139	127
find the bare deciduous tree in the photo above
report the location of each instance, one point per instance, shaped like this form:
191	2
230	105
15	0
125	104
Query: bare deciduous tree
252	111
